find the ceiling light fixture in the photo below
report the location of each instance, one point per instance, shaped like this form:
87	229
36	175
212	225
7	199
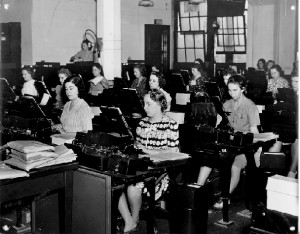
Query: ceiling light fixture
146	3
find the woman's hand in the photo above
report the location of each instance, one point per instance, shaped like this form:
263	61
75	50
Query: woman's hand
57	128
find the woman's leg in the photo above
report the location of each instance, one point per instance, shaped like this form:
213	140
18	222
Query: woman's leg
294	159
135	202
203	174
239	163
124	210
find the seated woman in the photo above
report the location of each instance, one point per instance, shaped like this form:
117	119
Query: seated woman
33	88
223	86
77	115
63	74
196	83
98	83
262	65
156	133
270	64
140	83
157	81
276	80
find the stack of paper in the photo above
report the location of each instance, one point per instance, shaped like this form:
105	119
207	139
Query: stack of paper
168	156
27	155
7	172
60	139
266	136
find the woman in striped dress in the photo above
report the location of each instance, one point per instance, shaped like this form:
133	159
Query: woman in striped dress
77	114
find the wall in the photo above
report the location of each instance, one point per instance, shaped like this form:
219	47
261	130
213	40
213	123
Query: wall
271	32
134	18
52	30
21	11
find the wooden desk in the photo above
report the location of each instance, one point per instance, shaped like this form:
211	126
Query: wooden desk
58	178
96	196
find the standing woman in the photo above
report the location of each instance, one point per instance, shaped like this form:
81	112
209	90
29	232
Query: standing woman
276	80
34	88
196	83
140	83
157	82
98	83
77	115
156	133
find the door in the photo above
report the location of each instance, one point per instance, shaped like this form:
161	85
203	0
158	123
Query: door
157	46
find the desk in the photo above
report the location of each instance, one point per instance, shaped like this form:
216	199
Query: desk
226	155
96	196
58	178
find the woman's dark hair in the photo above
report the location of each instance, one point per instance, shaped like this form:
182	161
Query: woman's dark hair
197	66
200	61
88	43
97	65
264	63
64	71
157	67
30	70
161	79
230	72
78	82
278	68
239	80
142	69
159	97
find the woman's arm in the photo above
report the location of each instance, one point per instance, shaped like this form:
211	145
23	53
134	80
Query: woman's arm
104	83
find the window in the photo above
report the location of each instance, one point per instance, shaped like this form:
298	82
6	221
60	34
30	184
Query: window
191	33
231	35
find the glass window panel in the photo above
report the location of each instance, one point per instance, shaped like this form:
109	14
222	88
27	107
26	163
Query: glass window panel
242	39
220	58
181	55
220	49
195	24
241	31
180	40
220	31
225	31
229	22
235	31
230	41
189	41
203	8
220	40
200	54
224	22
199	40
195	13
240	48
240	20
230	31
190	55
236	40
229	49
235	19
239	58
203	23
182	12
185	24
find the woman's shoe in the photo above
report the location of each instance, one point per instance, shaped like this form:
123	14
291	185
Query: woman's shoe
219	204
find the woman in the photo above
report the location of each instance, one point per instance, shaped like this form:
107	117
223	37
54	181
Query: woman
63	74
98	83
85	54
77	115
157	81
244	117
276	81
140	83
261	65
196	83
270	64
34	88
156	133
223	88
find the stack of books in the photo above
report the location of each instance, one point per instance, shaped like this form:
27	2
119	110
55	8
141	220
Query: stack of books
27	155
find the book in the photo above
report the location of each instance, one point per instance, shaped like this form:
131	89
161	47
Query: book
28	146
60	139
6	172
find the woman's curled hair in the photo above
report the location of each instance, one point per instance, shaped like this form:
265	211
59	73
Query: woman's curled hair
239	80
159	97
78	82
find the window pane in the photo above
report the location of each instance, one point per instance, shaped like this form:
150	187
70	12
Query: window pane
185	24
200	54
239	58
189	41
195	13
229	49
180	41
203	8
203	23
220	40
236	40
190	54
240	20
182	13
220	49
181	55
230	41
230	31
240	48
220	58
242	40
195	24
199	40
229	22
